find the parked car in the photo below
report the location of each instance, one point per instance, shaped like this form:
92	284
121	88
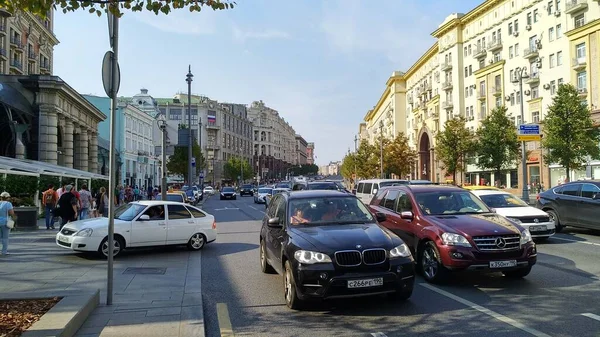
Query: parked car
261	196
449	229
535	220
327	245
142	224
574	204
228	193
246	190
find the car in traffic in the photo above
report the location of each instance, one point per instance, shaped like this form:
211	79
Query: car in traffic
138	224
326	185
173	196
450	229
228	193
327	245
515	209
246	189
209	190
261	196
274	191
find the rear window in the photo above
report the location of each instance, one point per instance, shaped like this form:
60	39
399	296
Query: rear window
228	189
323	186
393	183
171	197
367	188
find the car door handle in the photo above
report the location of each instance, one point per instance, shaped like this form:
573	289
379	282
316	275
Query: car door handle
191	221
161	224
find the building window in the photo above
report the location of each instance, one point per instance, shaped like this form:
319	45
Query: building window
551	34
516	26
466	71
535	117
510	52
497	57
512	99
559	59
482	92
535	15
552	87
470	70
582	80
550	7
498	101
512	74
518	98
535	92
579	20
552	60
516	49
519	122
466	91
482	110
465	53
510	28
529	19
560	81
558	31
580	51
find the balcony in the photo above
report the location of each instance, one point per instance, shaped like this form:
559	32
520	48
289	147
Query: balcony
435	116
17	66
446	66
447	85
579	63
576	6
143	153
495	45
497	90
583	92
213	126
447	104
530	53
480	52
212	146
15	42
481	94
533	79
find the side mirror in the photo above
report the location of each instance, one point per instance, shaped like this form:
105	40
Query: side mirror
354	191
596	196
374	191
406	215
274	222
493	210
380	216
144	217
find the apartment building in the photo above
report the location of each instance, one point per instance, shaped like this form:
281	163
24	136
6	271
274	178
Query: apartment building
475	66
274	141
300	150
310	153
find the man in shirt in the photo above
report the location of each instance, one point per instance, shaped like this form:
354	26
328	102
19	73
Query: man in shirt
49	200
68	206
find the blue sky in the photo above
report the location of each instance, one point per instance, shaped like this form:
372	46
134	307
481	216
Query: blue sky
321	64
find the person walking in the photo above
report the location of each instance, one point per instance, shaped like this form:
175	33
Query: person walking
103	202
68	206
6	210
49	200
85	197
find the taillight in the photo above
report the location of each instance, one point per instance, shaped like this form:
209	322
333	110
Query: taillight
214	225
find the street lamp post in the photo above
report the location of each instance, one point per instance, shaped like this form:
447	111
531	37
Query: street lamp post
241	167
381	148
520	75
355	151
189	79
162	125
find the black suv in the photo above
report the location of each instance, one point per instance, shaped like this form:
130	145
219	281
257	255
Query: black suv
246	190
328	245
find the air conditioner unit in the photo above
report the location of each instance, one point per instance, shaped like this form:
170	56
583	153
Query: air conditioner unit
538	64
546	86
528	27
507	98
491	61
527	92
582	90
557	13
515	33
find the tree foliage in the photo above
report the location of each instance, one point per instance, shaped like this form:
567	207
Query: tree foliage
237	167
398	157
497	145
117	7
349	164
178	162
569	133
367	159
454	145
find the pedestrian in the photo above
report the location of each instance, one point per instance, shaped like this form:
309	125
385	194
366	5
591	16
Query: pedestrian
103	202
85	198
61	190
49	200
6	210
67	205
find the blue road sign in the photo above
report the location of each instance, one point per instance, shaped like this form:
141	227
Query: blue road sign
201	175
529	129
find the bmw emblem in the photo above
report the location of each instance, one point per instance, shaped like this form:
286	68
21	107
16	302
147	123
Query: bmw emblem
536	220
358	246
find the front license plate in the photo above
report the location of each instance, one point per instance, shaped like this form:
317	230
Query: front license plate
372	282
64	238
537	228
503	264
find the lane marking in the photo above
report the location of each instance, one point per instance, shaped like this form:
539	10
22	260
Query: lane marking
224	321
254	208
592	316
378	334
486	311
583	242
225	209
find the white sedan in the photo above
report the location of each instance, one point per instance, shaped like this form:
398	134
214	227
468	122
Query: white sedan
208	190
142	224
538	222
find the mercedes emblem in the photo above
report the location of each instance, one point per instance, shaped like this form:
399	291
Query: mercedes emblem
500	242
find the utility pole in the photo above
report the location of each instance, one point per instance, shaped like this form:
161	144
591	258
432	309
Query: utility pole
381	149
189	80
520	75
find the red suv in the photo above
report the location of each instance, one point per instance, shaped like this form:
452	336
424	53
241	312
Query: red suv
448	228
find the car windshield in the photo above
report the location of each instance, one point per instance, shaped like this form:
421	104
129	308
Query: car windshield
265	190
228	189
275	191
449	202
328	210
393	183
246	186
283	185
129	211
502	200
323	186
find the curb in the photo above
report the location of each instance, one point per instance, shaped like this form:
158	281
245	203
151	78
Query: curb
65	318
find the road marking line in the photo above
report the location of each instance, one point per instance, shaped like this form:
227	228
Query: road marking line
584	242
592	316
225	209
486	311
224	321
378	334
254	208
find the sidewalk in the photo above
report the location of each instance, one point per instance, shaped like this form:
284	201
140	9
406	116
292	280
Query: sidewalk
157	292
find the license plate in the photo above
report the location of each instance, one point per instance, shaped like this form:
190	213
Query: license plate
64	238
366	283
537	228
503	264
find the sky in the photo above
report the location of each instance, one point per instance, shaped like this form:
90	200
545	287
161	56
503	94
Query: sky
321	63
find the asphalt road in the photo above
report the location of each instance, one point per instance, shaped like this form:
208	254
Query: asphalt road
559	298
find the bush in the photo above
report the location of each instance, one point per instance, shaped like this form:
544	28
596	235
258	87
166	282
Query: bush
19	186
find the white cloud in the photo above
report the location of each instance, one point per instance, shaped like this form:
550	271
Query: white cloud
182	22
269	34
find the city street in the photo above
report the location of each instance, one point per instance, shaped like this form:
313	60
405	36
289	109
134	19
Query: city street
559	297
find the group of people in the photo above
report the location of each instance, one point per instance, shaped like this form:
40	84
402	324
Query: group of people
68	204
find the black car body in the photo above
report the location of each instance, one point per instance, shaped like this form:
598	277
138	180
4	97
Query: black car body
574	204
228	193
326	185
349	255
246	190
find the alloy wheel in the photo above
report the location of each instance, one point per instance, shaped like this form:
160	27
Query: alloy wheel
288	286
430	263
197	241
116	248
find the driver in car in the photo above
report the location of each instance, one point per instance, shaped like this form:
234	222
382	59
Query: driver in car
332	212
298	216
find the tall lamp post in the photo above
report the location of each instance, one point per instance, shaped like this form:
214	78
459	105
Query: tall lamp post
162	125
241	167
520	75
381	148
189	79
355	151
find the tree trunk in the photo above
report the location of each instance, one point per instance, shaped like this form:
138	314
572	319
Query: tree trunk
568	169
454	177
497	175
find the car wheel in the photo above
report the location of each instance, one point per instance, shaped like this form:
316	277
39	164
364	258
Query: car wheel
289	289
265	267
118	246
196	242
430	263
234	198
557	225
519	273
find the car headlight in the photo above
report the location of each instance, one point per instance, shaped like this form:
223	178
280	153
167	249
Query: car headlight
308	257
86	232
515	220
400	251
525	236
451	239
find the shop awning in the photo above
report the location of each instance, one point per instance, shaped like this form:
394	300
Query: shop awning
14	166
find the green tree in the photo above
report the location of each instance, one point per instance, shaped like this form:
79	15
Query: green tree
398	157
367	160
178	162
348	166
304	169
117	7
236	167
569	132
497	145
454	145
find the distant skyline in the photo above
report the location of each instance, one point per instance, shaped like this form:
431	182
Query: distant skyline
322	74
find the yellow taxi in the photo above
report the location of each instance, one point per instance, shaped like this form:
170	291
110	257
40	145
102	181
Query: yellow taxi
481	187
